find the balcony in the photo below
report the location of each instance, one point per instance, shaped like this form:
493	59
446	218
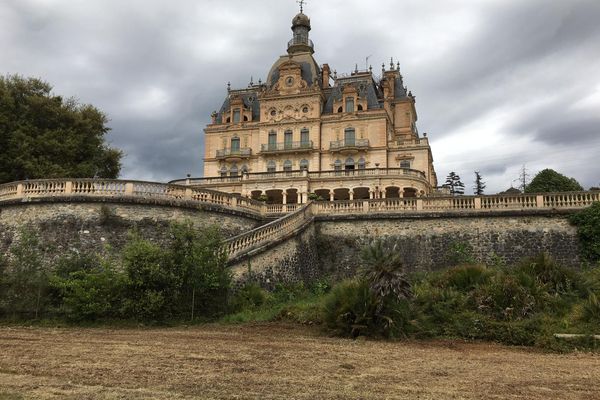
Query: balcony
234	154
349	146
287	147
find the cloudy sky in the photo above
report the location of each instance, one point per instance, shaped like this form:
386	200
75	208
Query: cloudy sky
499	83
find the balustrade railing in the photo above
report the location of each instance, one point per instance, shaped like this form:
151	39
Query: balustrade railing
287	146
347	143
269	233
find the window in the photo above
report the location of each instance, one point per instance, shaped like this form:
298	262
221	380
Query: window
361	163
304	165
304	134
337	165
287	166
360	107
234	170
244	169
404	164
273	113
272	140
349	104
271	167
223	172
339	110
236	116
235	145
288	138
349	137
305	109
349	163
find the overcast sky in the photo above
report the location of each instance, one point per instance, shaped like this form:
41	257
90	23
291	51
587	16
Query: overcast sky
499	83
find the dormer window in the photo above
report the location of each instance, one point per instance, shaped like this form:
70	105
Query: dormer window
236	116
349	104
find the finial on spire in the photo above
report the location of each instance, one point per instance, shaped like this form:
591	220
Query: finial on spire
392	63
370	68
251	80
382	68
334	74
228	86
356	68
302	3
259	81
398	65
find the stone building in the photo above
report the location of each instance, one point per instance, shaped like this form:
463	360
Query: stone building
307	129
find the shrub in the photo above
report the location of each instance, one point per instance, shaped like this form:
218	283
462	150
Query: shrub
557	279
591	309
587	222
89	293
251	296
466	277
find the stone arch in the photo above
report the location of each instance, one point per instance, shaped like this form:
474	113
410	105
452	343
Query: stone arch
274	196
392	192
410	192
323	193
341	194
361	193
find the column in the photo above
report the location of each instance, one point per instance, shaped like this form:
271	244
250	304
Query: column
401	192
371	194
284	195
351	194
331	195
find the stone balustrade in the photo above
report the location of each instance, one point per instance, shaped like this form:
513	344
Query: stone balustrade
110	188
272	232
295	215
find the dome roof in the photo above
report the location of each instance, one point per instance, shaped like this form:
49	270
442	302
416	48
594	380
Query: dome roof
301	19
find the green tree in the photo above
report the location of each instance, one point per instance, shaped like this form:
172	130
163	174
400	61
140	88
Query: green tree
43	135
588	230
479	184
454	183
549	180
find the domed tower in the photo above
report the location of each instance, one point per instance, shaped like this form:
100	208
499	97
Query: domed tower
300	41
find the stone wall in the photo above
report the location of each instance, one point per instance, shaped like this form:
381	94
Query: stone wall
290	261
435	241
103	227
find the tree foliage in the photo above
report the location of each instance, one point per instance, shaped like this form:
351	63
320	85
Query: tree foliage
588	230
454	183
43	135
479	184
549	180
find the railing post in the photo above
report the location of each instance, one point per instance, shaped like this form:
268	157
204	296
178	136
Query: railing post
68	187
419	204
188	194
234	202
477	203
19	189
365	206
129	188
539	201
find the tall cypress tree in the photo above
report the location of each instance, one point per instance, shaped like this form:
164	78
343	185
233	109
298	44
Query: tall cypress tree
479	184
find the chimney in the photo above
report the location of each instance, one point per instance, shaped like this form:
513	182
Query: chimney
326	72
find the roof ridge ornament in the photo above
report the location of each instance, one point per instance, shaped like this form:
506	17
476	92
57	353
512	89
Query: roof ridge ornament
302	3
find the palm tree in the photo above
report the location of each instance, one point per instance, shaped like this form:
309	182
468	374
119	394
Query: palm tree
384	272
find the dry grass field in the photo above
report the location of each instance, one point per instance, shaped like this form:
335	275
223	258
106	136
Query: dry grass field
276	361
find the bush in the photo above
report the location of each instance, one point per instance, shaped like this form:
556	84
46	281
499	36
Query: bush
89	294
350	309
557	279
460	253
591	309
465	278
587	222
249	297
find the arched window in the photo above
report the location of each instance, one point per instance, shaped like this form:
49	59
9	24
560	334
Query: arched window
235	145
271	167
339	110
304	165
304	137
228	120
404	164
245	118
349	163
223	171
288	139
337	165
360	107
234	170
287	165
349	137
349	104
361	163
244	169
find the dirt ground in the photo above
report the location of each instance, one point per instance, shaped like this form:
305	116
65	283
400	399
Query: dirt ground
275	361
